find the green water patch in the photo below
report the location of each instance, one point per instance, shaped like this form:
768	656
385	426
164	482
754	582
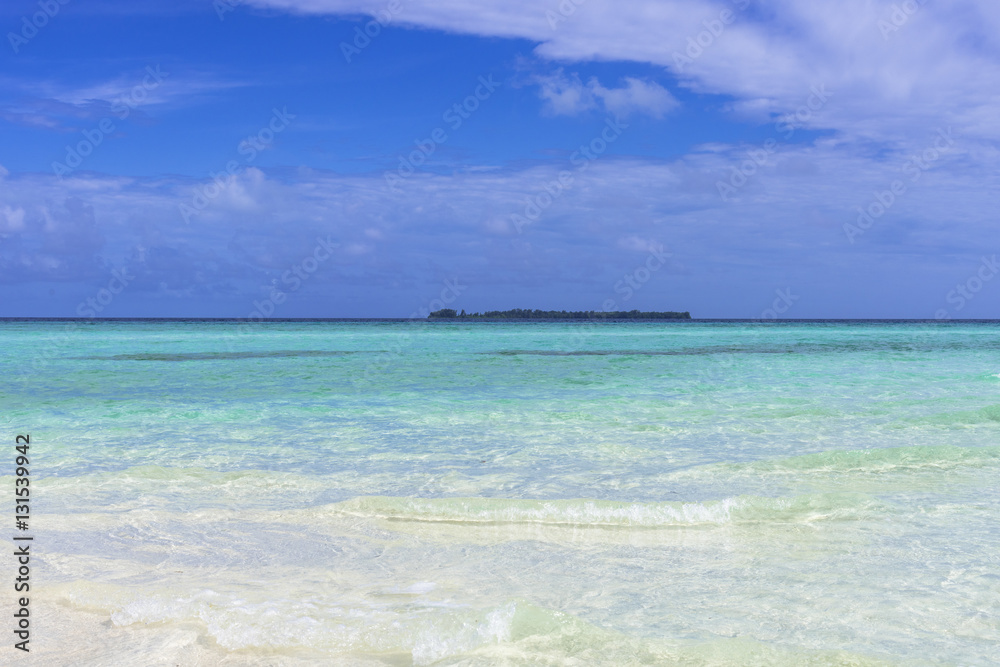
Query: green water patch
874	461
989	414
780	408
878	347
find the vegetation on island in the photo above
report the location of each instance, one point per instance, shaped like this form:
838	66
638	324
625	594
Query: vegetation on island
524	314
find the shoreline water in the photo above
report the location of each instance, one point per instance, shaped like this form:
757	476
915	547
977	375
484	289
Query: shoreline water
488	494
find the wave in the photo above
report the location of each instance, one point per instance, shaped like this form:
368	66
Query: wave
609	514
514	633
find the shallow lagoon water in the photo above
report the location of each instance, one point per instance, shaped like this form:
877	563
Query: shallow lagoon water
562	493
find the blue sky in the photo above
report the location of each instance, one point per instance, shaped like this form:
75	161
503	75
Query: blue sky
734	158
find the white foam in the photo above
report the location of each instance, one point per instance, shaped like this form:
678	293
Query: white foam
434	645
559	512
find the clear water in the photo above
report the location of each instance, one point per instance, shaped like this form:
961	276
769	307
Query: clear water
521	494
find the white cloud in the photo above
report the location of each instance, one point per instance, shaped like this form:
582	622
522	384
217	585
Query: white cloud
359	248
152	85
564	96
636	244
939	67
56	104
13	219
568	96
800	199
635	96
784	227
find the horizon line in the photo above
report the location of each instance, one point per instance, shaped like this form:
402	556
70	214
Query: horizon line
482	319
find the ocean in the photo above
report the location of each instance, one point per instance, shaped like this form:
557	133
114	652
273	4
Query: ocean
475	493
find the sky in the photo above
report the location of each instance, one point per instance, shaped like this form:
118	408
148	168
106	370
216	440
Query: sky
267	159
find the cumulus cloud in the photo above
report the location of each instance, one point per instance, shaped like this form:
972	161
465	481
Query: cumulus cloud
935	65
636	96
566	95
784	224
881	94
55	242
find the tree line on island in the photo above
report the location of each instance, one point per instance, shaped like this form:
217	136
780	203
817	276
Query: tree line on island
525	314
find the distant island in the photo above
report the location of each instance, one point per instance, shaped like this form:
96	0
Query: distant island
523	314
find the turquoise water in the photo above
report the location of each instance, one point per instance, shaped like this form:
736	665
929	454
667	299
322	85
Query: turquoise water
546	493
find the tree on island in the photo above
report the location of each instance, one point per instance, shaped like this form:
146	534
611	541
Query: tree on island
524	314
